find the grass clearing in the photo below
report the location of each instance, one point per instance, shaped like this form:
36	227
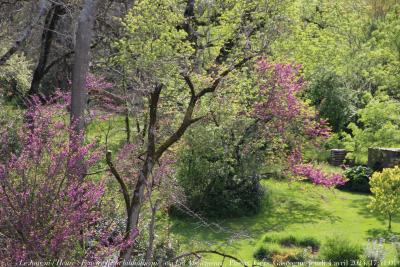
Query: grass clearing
299	209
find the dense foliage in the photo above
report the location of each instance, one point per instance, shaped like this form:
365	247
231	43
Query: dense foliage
358	179
48	209
218	178
341	250
114	112
377	126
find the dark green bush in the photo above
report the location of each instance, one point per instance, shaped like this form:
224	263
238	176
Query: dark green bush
218	178
311	242
306	242
358	179
288	241
341	251
270	239
265	253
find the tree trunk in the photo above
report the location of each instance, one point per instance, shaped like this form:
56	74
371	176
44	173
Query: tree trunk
152	225
47	37
390	222
81	64
138	194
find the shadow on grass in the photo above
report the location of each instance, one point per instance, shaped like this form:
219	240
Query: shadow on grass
387	235
281	209
362	209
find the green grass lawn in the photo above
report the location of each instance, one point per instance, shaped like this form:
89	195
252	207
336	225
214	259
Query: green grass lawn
299	209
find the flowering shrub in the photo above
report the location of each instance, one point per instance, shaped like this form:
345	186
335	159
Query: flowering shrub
318	176
48	209
289	121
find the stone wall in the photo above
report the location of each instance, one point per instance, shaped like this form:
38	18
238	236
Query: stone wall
337	156
379	158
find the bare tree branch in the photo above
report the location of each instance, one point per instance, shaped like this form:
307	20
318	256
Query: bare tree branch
25	34
121	182
217	81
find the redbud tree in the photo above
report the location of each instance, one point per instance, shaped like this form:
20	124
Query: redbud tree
49	208
288	120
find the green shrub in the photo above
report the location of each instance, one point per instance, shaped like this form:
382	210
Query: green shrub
292	241
288	241
216	183
265	254
270	239
311	242
341	251
378	125
358	179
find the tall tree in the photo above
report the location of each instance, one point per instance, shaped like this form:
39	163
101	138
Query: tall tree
185	51
81	63
50	24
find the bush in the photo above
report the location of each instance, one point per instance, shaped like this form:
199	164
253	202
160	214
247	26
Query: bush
216	182
270	239
340	250
306	242
289	241
358	179
265	253
311	242
377	126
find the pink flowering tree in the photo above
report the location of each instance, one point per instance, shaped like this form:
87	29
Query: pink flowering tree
289	121
49	208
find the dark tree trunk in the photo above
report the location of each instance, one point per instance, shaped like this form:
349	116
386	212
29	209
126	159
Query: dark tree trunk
47	37
138	193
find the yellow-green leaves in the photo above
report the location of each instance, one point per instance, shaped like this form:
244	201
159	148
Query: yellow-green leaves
385	187
154	43
378	126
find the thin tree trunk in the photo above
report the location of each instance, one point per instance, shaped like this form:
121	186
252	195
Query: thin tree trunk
138	194
81	64
127	127
152	224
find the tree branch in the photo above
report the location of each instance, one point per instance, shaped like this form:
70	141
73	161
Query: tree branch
117	176
187	120
217	81
25	34
189	83
64	56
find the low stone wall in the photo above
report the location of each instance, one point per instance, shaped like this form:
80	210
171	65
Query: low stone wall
379	158
337	156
